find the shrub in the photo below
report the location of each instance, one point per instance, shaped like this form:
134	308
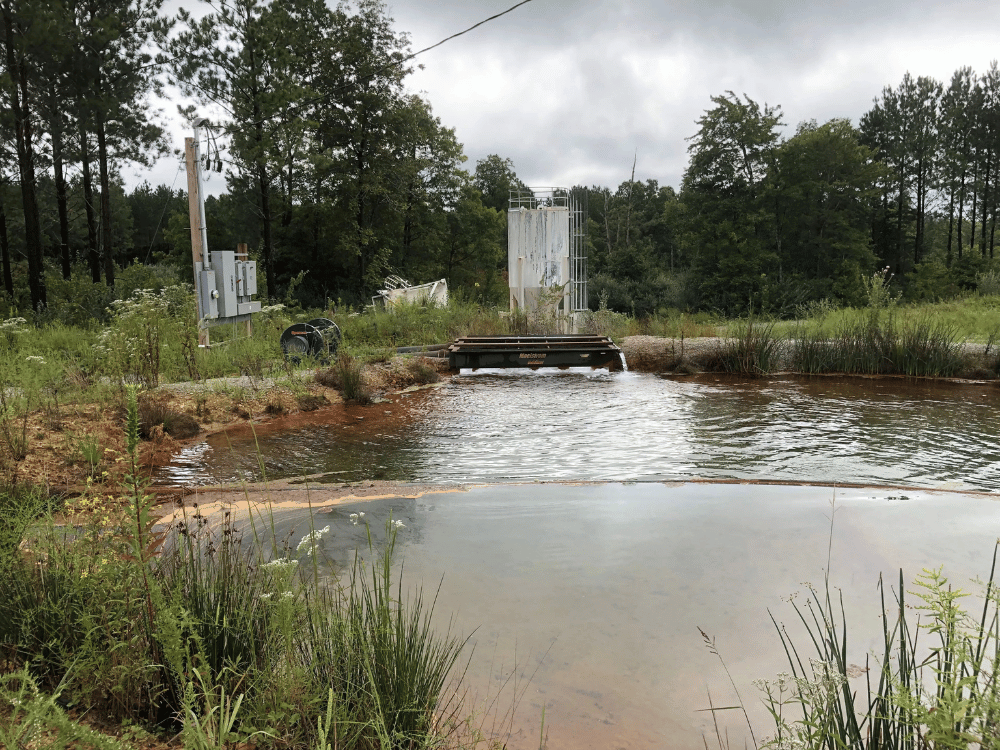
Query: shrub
132	344
423	373
877	289
155	412
988	283
310	401
348	376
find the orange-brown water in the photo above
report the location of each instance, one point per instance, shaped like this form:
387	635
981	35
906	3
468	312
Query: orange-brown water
633	427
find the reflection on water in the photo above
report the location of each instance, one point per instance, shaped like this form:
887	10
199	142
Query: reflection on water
499	426
596	592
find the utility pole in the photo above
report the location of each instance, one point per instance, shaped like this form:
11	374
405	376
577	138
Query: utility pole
199	230
224	281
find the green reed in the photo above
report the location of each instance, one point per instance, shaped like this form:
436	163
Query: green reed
876	344
751	349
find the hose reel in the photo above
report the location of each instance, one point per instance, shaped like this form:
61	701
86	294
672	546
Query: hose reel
319	338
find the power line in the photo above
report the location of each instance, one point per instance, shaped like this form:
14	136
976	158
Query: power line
474	26
385	67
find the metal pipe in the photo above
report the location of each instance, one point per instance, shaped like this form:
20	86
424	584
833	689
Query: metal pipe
201	195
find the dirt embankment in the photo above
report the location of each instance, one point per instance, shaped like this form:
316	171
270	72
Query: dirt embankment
79	448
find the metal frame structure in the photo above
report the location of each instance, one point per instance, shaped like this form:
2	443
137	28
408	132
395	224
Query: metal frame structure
534	352
576	201
578	211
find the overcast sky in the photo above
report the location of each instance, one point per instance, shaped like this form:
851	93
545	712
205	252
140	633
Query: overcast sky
571	91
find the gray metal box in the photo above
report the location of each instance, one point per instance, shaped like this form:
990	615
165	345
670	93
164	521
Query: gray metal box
248	275
207	294
224	262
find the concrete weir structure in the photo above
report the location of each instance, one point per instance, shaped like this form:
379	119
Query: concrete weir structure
546	264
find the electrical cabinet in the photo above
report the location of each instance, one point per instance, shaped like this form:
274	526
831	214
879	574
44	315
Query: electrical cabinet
224	263
208	295
225	289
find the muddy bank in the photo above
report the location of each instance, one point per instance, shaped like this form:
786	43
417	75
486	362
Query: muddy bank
76	449
259	499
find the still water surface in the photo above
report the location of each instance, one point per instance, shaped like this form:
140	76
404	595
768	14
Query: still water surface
497	427
588	598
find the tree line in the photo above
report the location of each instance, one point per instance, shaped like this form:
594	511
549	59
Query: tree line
768	223
338	176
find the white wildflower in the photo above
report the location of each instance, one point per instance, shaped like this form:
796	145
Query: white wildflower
398	524
265	597
280	563
309	541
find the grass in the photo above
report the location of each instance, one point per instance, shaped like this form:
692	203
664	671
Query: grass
222	638
917	695
974	318
751	349
879	344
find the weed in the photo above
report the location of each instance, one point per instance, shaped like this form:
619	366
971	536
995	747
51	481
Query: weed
348	376
878	291
37	720
89	448
946	695
988	283
275	407
14	424
753	349
422	373
132	346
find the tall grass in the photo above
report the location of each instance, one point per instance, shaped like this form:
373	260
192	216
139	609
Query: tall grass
877	344
751	349
224	638
225	622
916	695
940	695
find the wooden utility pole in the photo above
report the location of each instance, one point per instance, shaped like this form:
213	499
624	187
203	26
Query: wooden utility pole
195	214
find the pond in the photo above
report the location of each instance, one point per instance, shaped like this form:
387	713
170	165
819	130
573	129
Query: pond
585	600
584	595
551	425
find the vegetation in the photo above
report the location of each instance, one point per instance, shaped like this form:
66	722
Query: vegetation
337	176
223	638
942	694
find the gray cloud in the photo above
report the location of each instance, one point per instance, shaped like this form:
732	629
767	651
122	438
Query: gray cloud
571	91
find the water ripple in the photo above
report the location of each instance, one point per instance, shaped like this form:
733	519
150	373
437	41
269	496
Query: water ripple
501	426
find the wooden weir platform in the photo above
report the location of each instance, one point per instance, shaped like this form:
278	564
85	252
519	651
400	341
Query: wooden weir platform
534	352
